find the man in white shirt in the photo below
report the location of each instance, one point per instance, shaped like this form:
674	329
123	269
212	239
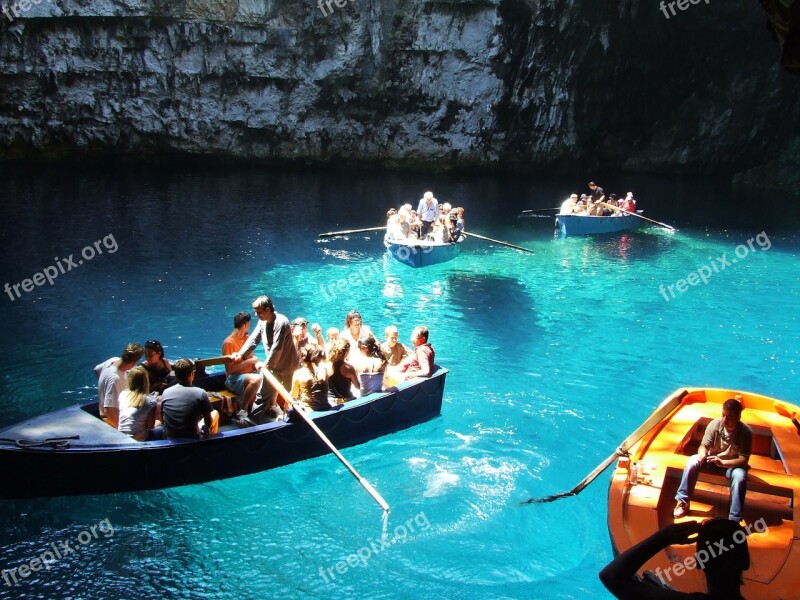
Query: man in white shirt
568	207
427	210
112	380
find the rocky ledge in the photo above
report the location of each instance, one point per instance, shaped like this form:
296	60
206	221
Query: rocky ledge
510	83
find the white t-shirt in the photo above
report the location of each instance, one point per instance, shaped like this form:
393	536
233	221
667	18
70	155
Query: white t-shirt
568	206
133	421
110	384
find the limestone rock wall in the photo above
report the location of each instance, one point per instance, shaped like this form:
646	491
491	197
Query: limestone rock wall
548	83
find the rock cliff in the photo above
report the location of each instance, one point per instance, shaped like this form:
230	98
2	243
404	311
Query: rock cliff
511	83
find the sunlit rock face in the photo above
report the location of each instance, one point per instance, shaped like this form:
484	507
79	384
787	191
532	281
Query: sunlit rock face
498	83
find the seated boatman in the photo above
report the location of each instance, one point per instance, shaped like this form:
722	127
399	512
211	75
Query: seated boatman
242	378
725	450
183	406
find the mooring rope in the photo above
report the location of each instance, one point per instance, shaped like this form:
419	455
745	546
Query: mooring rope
54	442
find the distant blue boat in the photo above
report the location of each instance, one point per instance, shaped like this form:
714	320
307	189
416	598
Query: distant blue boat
421	253
72	451
591	225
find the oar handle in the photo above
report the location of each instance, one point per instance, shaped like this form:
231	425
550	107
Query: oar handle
210	362
315	428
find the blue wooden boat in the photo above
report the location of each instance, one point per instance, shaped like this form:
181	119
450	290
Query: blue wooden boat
422	253
592	225
44	457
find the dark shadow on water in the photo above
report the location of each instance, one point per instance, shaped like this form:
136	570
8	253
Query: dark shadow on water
494	305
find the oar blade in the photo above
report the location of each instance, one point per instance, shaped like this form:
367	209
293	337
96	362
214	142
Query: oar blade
375	495
658	415
278	386
546	499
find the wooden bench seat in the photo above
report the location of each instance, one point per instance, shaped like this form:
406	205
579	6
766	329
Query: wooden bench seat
224	401
762	482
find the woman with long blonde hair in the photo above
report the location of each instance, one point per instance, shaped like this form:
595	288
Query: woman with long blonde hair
137	409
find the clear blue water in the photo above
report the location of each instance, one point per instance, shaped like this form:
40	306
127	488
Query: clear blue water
554	358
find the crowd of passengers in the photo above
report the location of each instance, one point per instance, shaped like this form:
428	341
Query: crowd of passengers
596	203
156	399
432	221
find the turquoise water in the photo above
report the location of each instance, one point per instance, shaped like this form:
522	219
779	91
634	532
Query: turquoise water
554	358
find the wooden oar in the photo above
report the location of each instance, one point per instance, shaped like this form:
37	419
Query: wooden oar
501	242
285	395
349	231
627	212
530	210
652	421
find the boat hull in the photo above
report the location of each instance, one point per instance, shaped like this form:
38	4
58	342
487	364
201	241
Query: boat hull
417	254
771	512
103	462
591	225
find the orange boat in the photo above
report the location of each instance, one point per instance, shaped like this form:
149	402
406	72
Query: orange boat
638	508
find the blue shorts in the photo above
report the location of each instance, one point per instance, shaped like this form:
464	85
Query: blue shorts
236	383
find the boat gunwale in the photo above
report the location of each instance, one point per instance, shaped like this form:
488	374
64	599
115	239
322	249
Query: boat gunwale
255	431
422	243
626	222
